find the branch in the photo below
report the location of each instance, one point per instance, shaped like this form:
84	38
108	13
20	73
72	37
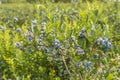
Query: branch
66	66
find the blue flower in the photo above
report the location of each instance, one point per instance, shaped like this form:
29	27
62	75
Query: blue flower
29	38
76	47
78	64
45	50
104	44
43	25
18	30
105	39
79	51
118	70
56	43
73	38
109	45
41	44
18	45
1	79
34	22
15	19
82	35
83	30
20	48
88	64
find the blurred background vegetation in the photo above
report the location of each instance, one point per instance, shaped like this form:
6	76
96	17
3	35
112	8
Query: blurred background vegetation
35	1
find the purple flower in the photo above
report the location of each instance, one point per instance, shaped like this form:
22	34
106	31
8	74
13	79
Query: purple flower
79	51
99	40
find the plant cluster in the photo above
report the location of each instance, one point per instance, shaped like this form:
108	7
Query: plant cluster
61	42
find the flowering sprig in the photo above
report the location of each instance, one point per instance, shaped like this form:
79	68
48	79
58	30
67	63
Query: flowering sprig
88	65
104	43
43	29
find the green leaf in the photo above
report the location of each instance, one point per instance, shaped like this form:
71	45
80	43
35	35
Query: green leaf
110	77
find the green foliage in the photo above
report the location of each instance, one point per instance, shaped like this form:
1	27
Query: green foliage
12	1
60	42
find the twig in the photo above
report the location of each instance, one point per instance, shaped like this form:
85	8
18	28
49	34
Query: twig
66	66
80	76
